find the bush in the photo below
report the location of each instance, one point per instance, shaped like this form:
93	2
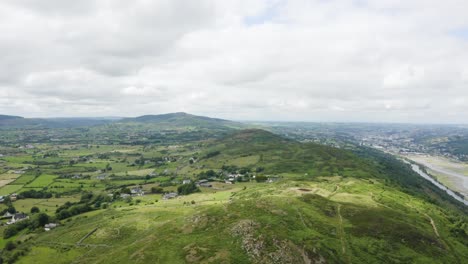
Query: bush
157	190
188	188
34	210
261	178
35	194
10	245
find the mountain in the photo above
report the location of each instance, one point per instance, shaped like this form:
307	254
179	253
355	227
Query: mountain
7	120
43	123
8	117
182	119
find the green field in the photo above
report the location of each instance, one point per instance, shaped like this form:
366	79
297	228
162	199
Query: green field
42	181
9	189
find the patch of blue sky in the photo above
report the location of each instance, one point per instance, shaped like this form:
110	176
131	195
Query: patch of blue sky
267	15
461	33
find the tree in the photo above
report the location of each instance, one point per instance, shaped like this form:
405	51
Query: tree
41	219
188	188
125	190
10	245
157	190
11	209
261	178
34	210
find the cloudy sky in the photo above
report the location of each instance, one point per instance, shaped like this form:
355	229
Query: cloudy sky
309	60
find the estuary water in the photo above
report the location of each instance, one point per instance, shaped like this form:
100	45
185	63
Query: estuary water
417	169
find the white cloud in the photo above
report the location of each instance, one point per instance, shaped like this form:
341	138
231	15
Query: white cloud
395	61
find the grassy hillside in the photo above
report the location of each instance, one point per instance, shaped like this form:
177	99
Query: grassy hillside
325	205
330	220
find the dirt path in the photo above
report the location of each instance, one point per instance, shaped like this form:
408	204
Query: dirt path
337	188
433	225
342	235
300	215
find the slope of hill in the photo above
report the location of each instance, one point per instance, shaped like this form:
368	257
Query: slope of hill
325	205
273	154
329	220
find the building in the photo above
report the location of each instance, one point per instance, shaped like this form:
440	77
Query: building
124	195
18	217
8	215
50	226
170	195
137	191
186	181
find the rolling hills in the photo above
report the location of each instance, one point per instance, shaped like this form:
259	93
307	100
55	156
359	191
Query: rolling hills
320	205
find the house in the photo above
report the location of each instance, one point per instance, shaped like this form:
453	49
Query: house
50	226
101	177
170	195
17	218
2	199
13	197
137	191
228	182
205	184
186	181
124	195
8	215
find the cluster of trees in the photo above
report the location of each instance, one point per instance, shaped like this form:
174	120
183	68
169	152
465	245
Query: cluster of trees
212	154
157	190
188	188
70	209
88	202
207	174
235	169
35	194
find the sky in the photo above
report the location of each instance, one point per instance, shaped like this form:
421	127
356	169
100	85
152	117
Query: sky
297	60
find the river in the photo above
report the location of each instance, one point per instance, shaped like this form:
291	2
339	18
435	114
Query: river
417	169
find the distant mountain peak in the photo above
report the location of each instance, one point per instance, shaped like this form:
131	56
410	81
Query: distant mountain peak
6	117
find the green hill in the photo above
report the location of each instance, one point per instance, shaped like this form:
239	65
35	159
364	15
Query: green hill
325	205
181	119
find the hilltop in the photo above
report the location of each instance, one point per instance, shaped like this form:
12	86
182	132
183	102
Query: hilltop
181	119
8	117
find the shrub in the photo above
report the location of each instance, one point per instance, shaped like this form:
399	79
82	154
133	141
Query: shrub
188	188
34	210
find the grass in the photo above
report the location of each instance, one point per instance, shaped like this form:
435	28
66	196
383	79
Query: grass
45	205
9	189
284	211
25	179
42	181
